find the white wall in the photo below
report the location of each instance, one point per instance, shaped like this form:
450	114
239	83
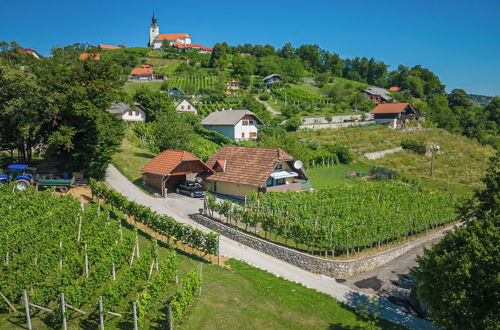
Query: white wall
137	115
247	129
185	106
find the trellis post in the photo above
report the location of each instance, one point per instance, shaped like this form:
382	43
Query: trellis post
27	308
170	325
134	308
63	312
101	316
218	250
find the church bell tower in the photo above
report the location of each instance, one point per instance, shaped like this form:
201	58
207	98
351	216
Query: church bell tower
154	30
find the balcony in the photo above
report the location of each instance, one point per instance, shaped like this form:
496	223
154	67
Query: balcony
296	186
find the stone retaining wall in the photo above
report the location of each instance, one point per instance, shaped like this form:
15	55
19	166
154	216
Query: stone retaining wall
379	154
332	268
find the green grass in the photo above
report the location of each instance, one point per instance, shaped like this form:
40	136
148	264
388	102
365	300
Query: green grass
324	177
460	163
132	87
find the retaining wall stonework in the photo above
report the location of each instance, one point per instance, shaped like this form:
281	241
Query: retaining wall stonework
332	268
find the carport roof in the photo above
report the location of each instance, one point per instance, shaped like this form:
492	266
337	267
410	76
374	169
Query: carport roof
168	160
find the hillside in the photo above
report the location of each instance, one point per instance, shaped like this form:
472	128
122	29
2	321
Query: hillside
461	161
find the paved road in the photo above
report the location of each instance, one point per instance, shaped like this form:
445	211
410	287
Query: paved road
179	207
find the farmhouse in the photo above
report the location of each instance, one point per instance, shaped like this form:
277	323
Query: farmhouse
377	95
200	48
395	89
186	107
111	47
240	170
234	85
394	115
175	92
128	112
238	125
32	52
170	168
272	78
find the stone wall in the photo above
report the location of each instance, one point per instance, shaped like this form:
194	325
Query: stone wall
379	154
332	268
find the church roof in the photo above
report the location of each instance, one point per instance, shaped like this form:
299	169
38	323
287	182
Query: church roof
172	36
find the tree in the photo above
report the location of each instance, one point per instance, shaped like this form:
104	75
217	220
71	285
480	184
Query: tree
269	65
459	98
244	66
459	277
155	102
292	69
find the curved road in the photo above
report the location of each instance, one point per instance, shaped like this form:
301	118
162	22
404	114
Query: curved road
179	207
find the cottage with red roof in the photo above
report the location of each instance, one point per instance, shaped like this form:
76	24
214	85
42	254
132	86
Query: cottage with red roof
92	56
145	72
156	39
238	170
394	115
172	167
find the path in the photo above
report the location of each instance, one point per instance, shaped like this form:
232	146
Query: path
268	107
179	208
379	154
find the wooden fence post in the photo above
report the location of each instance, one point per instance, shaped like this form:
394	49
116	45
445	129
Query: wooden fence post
27	308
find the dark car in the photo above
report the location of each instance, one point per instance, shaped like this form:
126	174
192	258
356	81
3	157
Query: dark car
192	189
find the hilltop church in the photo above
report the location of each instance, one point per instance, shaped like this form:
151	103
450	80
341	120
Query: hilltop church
156	39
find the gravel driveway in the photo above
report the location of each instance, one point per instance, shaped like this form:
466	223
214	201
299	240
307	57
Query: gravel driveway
179	207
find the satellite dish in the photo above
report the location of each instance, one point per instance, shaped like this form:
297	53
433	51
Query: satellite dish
297	164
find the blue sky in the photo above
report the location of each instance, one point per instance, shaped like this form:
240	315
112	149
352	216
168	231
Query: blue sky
459	40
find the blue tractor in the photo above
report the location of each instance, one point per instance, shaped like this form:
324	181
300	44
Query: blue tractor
21	174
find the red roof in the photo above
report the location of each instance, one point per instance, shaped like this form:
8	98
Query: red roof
395	89
142	71
390	108
108	47
246	165
93	56
172	36
181	45
168	160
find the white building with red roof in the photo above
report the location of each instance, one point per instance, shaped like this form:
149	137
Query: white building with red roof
156	39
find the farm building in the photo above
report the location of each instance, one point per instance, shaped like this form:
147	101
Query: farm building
92	56
377	95
239	170
186	107
32	52
175	92
128	112
394	115
170	168
272	78
238	125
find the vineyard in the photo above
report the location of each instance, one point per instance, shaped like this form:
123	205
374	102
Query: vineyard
298	96
190	84
194	56
70	264
204	109
339	220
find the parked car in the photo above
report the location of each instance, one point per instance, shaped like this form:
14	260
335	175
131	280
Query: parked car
192	189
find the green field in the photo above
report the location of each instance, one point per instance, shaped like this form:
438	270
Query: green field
460	163
132	87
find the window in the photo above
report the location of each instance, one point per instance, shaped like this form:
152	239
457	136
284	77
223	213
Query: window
245	123
280	182
269	182
130	113
182	107
243	134
253	134
189	107
279	167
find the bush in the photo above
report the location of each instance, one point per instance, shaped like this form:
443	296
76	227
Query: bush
293	124
415	146
264	97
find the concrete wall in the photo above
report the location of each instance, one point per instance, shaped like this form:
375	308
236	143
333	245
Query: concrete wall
380	154
137	115
332	268
231	189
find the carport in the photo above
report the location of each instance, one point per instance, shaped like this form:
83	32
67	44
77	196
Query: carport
170	168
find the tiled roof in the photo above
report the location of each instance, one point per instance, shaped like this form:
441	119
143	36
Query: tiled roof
172	36
228	117
390	108
93	56
246	165
272	76
142	71
378	91
395	89
167	161
121	107
108	47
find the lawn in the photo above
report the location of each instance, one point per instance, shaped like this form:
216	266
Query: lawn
336	175
460	163
132	87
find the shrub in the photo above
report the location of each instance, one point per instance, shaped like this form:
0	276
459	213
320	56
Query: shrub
415	146
264	97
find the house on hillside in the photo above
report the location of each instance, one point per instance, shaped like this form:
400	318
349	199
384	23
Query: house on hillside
272	78
238	125
186	107
92	56
145	72
395	89
239	170
175	92
170	168
128	112
394	115
377	95
233	85
32	52
111	47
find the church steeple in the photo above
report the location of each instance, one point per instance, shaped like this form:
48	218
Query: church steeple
154	31
154	19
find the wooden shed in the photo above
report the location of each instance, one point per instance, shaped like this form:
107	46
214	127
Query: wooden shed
167	170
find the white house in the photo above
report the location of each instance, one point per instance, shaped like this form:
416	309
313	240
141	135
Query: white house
239	125
186	107
128	112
